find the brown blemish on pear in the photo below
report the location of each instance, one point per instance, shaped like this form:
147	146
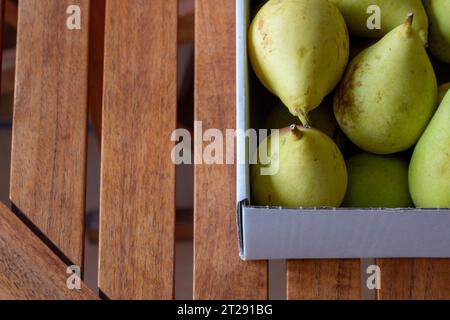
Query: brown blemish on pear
346	104
261	24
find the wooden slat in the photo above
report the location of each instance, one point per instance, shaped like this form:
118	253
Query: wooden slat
323	279
50	112
414	279
96	47
137	218
28	268
218	271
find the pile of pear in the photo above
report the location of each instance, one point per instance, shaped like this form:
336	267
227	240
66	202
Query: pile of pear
360	125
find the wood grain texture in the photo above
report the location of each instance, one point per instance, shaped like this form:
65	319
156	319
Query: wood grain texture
323	280
96	56
50	115
218	271
28	269
414	279
96	49
137	214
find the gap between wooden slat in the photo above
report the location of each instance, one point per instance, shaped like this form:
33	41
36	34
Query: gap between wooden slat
28	268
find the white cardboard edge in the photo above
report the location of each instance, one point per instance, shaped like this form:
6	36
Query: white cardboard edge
276	233
242	94
344	234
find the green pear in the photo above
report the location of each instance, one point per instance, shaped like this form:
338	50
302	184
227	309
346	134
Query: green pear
392	14
299	50
429	171
376	181
321	118
389	93
311	171
442	91
439	14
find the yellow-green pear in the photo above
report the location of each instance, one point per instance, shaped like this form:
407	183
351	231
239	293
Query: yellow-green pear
391	14
376	181
442	91
321	118
429	171
439	15
389	93
299	50
311	171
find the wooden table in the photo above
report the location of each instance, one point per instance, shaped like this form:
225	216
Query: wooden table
136	90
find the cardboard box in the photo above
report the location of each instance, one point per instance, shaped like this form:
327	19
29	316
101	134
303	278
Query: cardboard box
277	233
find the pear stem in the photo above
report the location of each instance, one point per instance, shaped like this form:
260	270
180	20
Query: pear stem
296	131
409	20
304	118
